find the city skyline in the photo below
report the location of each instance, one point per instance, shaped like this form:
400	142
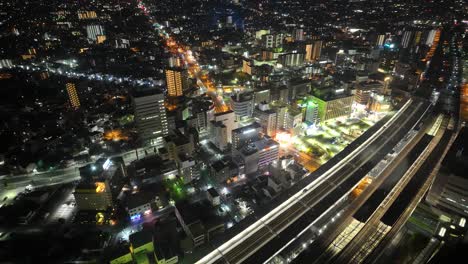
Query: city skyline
233	131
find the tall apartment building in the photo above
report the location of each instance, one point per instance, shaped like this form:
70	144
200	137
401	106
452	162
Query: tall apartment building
73	96
176	81
266	118
95	33
312	115
291	59
273	40
150	116
221	128
313	51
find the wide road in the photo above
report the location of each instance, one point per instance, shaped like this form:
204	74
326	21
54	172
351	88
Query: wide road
276	228
12	184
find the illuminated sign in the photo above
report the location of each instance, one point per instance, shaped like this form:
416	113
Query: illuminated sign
135	217
100	187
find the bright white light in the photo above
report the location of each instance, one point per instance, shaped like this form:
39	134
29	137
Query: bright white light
442	231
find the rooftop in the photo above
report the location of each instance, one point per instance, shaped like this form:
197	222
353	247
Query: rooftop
140	238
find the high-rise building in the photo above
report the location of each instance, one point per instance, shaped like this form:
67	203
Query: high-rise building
308	55
299	34
177	81
313	51
405	41
267	118
150	116
268	151
73	96
281	109
430	37
246	134
86	15
417	37
247	66
273	40
175	62
380	40
242	104
292	59
221	128
311	115
317	51
93	31
293	120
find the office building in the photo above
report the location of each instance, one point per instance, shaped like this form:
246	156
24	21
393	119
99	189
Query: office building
73	96
246	134
150	116
333	106
242	104
266	118
268	151
176	81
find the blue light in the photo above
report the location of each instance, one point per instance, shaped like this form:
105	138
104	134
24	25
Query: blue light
135	217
